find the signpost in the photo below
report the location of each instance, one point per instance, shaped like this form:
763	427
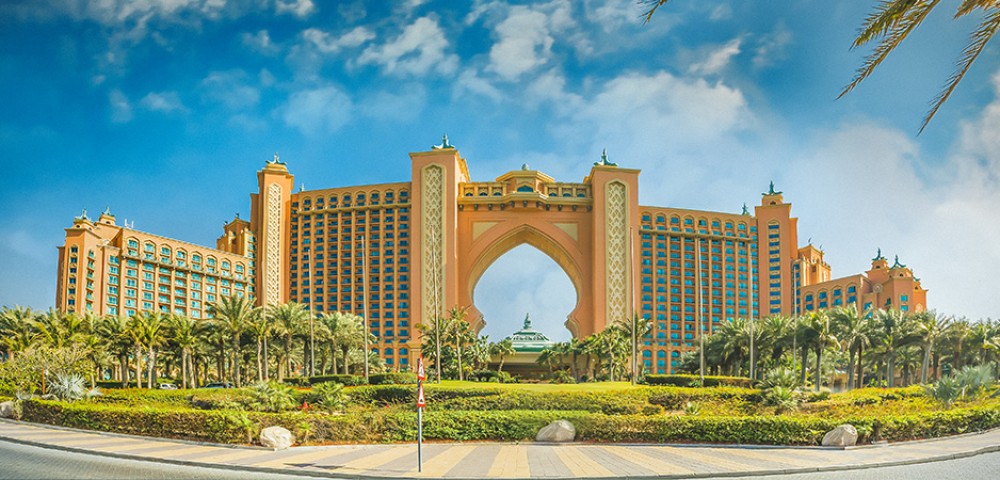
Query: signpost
421	402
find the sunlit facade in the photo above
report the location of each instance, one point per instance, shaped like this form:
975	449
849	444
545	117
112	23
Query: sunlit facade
401	253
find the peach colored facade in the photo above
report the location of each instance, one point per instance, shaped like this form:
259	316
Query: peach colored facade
404	252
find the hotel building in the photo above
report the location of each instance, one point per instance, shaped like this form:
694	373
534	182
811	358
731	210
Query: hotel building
401	253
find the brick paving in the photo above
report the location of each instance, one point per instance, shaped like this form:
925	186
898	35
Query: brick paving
508	460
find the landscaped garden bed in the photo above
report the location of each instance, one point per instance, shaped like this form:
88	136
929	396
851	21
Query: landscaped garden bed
601	412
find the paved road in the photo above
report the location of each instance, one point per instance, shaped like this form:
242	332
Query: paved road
29	462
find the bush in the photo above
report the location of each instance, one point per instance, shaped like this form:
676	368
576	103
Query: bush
491	376
695	381
271	397
328	395
345	380
393	378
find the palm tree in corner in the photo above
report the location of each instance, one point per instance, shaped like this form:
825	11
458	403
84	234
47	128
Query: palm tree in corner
233	316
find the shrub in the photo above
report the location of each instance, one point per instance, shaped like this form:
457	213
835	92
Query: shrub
393	378
695	381
68	387
345	380
270	397
328	395
491	376
969	382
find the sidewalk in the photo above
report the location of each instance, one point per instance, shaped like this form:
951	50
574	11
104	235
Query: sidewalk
506	460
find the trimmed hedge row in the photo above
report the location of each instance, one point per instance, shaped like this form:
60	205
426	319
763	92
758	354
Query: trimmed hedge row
680	380
399	424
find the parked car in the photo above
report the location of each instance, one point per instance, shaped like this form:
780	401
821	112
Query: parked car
218	385
168	386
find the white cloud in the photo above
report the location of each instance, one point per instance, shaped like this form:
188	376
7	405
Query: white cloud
317	111
402	105
22	242
231	89
260	41
524	43
121	109
419	49
721	12
299	8
716	59
164	102
469	81
771	47
326	43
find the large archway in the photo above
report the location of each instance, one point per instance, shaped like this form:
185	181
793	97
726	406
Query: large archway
525	280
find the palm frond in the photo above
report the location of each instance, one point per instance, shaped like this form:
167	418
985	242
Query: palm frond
653	5
979	39
885	18
968	6
901	28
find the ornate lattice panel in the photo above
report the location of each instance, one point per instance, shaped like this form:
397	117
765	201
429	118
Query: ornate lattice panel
272	240
616	231
432	243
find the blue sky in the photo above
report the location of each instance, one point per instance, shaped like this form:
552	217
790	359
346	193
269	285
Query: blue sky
163	110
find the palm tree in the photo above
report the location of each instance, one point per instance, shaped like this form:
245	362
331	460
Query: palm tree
149	333
15	330
184	333
115	330
825	337
289	320
459	334
261	327
479	353
958	335
776	336
931	328
345	331
234	315
432	340
854	330
893	333
502	349
635	329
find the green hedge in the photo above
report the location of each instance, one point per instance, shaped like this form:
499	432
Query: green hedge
399	424
393	378
345	380
695	380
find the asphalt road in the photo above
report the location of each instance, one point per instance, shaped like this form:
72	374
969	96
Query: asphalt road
19	461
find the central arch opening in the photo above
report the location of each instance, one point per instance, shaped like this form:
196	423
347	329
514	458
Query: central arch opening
525	281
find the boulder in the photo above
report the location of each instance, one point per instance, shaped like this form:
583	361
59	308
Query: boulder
557	431
277	438
843	436
7	410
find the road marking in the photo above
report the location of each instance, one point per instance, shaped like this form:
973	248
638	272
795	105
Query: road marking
512	461
230	456
658	465
441	463
387	455
707	460
310	456
579	463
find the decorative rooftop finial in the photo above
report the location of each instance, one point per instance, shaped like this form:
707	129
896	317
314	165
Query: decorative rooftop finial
444	143
527	322
302	187
107	210
604	160
896	264
878	255
83	216
746	211
524	167
771	191
810	241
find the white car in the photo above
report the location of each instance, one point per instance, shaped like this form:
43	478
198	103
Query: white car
168	386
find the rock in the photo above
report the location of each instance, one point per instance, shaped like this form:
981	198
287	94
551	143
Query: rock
277	438
843	436
557	431
7	410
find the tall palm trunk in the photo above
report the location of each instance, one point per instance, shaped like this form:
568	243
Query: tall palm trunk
819	357
850	367
138	367
151	367
890	368
805	358
266	365
345	349
861	366
927	361
260	366
236	361
123	369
